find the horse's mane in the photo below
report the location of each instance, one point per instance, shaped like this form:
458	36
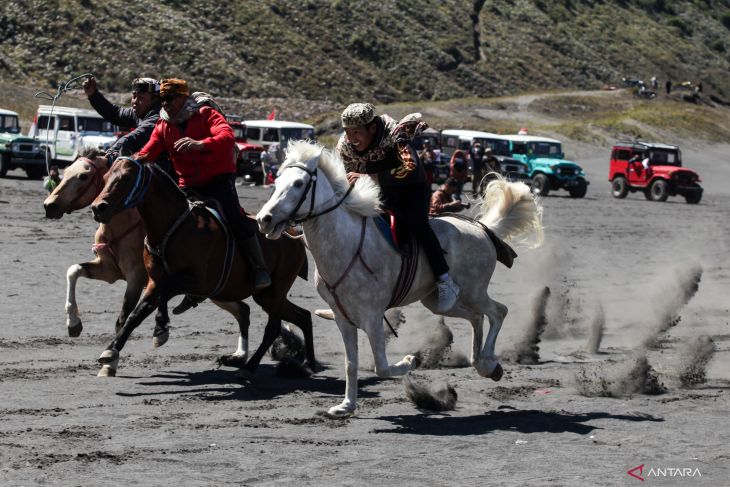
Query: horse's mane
166	179
364	199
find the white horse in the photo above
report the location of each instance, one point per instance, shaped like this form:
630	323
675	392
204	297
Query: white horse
357	269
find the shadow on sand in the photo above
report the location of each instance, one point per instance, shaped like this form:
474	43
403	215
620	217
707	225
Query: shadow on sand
522	421
224	385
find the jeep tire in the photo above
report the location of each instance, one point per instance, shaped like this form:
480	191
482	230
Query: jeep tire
658	191
35	172
693	198
4	164
619	187
579	190
540	185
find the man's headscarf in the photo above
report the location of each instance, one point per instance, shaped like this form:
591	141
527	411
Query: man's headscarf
174	86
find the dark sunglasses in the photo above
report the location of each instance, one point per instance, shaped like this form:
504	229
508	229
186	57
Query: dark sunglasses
169	97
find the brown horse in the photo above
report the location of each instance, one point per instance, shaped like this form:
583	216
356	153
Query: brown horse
118	246
184	257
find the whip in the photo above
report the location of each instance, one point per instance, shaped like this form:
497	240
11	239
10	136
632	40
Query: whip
62	88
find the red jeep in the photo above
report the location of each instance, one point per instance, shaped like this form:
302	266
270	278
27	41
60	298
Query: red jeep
249	155
662	177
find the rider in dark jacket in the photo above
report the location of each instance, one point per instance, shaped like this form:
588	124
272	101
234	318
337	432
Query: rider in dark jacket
380	147
142	117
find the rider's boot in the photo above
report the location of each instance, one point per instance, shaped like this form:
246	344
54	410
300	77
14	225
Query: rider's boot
252	250
187	302
448	293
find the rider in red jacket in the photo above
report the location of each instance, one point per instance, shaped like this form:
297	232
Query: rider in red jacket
200	145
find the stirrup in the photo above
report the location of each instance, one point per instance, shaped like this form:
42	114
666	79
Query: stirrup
187	303
261	279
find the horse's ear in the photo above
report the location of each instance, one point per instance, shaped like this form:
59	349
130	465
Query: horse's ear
314	161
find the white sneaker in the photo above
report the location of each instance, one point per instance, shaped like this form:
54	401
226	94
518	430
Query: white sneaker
448	294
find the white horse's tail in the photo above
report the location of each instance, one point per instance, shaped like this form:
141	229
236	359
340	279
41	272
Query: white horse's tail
512	212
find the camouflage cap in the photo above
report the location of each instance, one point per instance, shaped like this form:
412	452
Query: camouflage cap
358	115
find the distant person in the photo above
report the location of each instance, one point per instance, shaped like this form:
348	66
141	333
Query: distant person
459	169
52	180
443	199
491	163
477	161
428	158
654	83
698	88
668	86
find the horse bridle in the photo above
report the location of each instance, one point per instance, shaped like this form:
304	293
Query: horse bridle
311	186
141	184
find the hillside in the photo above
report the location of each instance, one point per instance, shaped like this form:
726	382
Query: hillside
343	50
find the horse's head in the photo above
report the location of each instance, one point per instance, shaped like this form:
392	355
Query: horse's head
125	186
82	181
293	189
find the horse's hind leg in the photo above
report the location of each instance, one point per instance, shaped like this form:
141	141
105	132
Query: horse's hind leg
241	312
161	333
487	364
272	330
303	319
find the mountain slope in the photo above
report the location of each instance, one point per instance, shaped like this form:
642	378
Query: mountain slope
340	50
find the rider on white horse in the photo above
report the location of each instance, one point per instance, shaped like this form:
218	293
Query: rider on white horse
377	145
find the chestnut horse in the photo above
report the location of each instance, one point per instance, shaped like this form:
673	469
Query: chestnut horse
183	257
118	248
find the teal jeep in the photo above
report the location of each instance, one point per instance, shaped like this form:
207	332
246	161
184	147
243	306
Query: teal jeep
18	151
547	167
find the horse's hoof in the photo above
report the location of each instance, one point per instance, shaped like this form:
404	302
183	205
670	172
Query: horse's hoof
74	330
497	373
327	314
107	371
245	375
161	339
108	356
340	412
237	361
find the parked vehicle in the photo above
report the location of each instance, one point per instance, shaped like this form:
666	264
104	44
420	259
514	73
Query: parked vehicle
249	162
664	176
68	130
547	167
18	151
270	132
512	168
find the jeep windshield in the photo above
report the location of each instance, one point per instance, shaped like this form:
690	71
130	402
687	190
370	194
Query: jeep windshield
546	149
9	124
296	134
664	157
89	125
499	147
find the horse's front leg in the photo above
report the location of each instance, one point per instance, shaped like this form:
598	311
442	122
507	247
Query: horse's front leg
349	337
241	312
96	269
376	337
145	307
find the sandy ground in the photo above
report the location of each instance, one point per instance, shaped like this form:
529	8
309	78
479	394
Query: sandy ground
172	417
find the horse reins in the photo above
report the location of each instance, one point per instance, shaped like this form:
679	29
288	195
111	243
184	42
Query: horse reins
312	187
312	184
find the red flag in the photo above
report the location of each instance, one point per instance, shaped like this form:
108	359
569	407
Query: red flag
272	115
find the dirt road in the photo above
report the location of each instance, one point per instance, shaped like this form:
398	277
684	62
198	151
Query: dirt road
172	418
